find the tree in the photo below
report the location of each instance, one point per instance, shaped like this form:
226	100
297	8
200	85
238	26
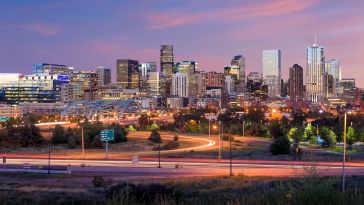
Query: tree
275	130
256	129
351	136
154	127
328	136
144	120
309	132
298	117
120	133
71	142
131	128
155	137
192	127
296	135
280	145
59	135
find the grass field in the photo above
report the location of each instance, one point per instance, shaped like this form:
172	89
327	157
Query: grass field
25	188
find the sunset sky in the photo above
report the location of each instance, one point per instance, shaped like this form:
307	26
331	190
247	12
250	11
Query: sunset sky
89	33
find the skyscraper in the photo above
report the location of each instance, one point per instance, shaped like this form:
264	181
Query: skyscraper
332	67
167	60
147	67
190	68
314	73
127	73
272	71
103	76
296	83
238	69
180	85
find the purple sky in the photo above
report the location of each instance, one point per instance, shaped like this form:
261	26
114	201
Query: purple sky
89	33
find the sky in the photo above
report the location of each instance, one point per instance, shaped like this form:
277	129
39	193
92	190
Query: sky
89	33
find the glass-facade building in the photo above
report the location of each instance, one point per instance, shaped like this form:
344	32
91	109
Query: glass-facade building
272	66
127	73
314	73
166	60
189	68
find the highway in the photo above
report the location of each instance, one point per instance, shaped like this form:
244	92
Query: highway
147	167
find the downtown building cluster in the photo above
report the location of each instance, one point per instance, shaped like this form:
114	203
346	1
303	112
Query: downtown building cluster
175	85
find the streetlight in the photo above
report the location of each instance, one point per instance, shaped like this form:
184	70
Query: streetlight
231	162
221	130
49	151
82	141
159	154
344	152
209	128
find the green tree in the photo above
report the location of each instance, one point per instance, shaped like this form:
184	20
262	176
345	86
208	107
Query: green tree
59	135
309	132
296	135
351	136
192	127
275	130
280	145
155	137
328	136
131	128
120	133
154	127
71	142
144	120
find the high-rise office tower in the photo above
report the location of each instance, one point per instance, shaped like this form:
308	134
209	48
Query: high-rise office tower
314	73
180	86
190	68
103	76
296	83
229	84
201	79
147	67
127	73
167	66
238	69
272	71
167	60
332	67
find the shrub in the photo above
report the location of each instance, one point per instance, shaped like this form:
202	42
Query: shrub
155	137
59	135
280	145
71	143
328	136
175	138
275	130
170	145
119	132
143	194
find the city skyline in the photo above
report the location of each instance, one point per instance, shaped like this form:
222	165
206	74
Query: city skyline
31	34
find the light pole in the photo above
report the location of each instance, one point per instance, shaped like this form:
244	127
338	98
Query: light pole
221	130
231	162
209	128
344	154
82	141
243	127
159	154
49	151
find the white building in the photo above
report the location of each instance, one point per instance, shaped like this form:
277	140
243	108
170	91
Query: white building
272	71
180	85
229	84
314	73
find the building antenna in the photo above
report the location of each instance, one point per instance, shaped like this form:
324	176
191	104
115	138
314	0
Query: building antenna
315	41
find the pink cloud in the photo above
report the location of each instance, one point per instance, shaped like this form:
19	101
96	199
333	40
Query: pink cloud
42	29
241	12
